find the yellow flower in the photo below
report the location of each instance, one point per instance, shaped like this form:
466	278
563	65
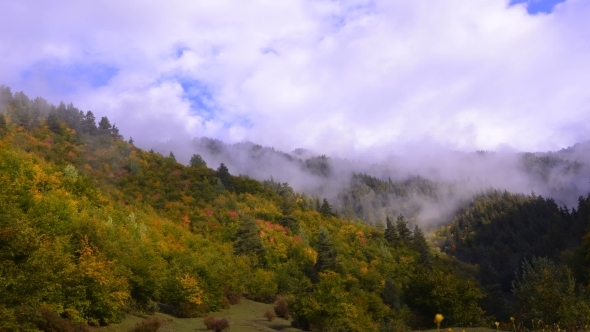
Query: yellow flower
497	324
438	318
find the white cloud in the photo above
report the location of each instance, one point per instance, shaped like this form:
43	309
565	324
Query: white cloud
330	75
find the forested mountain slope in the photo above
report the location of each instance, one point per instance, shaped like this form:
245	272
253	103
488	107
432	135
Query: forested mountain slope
92	227
429	185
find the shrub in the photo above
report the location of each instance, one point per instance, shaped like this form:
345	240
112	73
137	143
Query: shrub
231	296
269	315
186	310
216	324
282	309
51	321
149	325
209	322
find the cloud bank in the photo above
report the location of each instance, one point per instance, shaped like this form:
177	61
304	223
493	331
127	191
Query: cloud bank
334	76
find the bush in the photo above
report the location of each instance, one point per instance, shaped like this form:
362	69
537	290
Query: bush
270	315
51	321
282	309
216	324
231	296
149	325
186	310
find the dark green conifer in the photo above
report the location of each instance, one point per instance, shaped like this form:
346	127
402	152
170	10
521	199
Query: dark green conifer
197	161
3	126
326	209
223	174
53	123
391	233
403	231
247	239
326	252
89	124
104	126
420	244
391	294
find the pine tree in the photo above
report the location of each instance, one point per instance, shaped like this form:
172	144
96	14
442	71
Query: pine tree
172	157
247	239
326	252
53	123
420	244
21	116
403	231
197	161
89	124
326	209
115	132
131	141
391	294
104	126
3	126
391	233
223	174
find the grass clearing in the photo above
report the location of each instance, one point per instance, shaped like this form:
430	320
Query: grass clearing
246	316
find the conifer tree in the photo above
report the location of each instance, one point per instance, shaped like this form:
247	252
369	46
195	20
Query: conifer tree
326	209
53	123
391	233
223	174
326	252
3	125
197	161
172	157
247	239
391	294
104	126
421	246
403	231
21	116
115	132
89	124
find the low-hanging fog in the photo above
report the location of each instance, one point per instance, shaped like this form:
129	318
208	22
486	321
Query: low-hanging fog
435	182
390	88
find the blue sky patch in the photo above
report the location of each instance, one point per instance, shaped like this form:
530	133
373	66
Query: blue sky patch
60	77
199	96
538	6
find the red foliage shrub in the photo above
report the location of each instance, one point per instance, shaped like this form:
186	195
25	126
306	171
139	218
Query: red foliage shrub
282	309
232	297
270	315
51	321
216	324
225	303
149	325
186	310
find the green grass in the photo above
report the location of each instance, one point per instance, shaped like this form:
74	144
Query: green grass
246	316
466	329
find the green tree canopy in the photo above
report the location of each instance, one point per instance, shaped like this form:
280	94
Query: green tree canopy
197	161
326	252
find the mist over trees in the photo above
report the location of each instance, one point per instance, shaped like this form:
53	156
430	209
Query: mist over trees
427	190
92	227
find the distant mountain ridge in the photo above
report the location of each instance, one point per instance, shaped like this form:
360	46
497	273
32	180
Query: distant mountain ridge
371	190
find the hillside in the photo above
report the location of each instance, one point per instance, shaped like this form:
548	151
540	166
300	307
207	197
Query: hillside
426	186
92	227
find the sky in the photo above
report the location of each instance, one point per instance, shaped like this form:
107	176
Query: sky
333	76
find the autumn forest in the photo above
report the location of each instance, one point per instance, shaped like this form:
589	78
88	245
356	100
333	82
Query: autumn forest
93	228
